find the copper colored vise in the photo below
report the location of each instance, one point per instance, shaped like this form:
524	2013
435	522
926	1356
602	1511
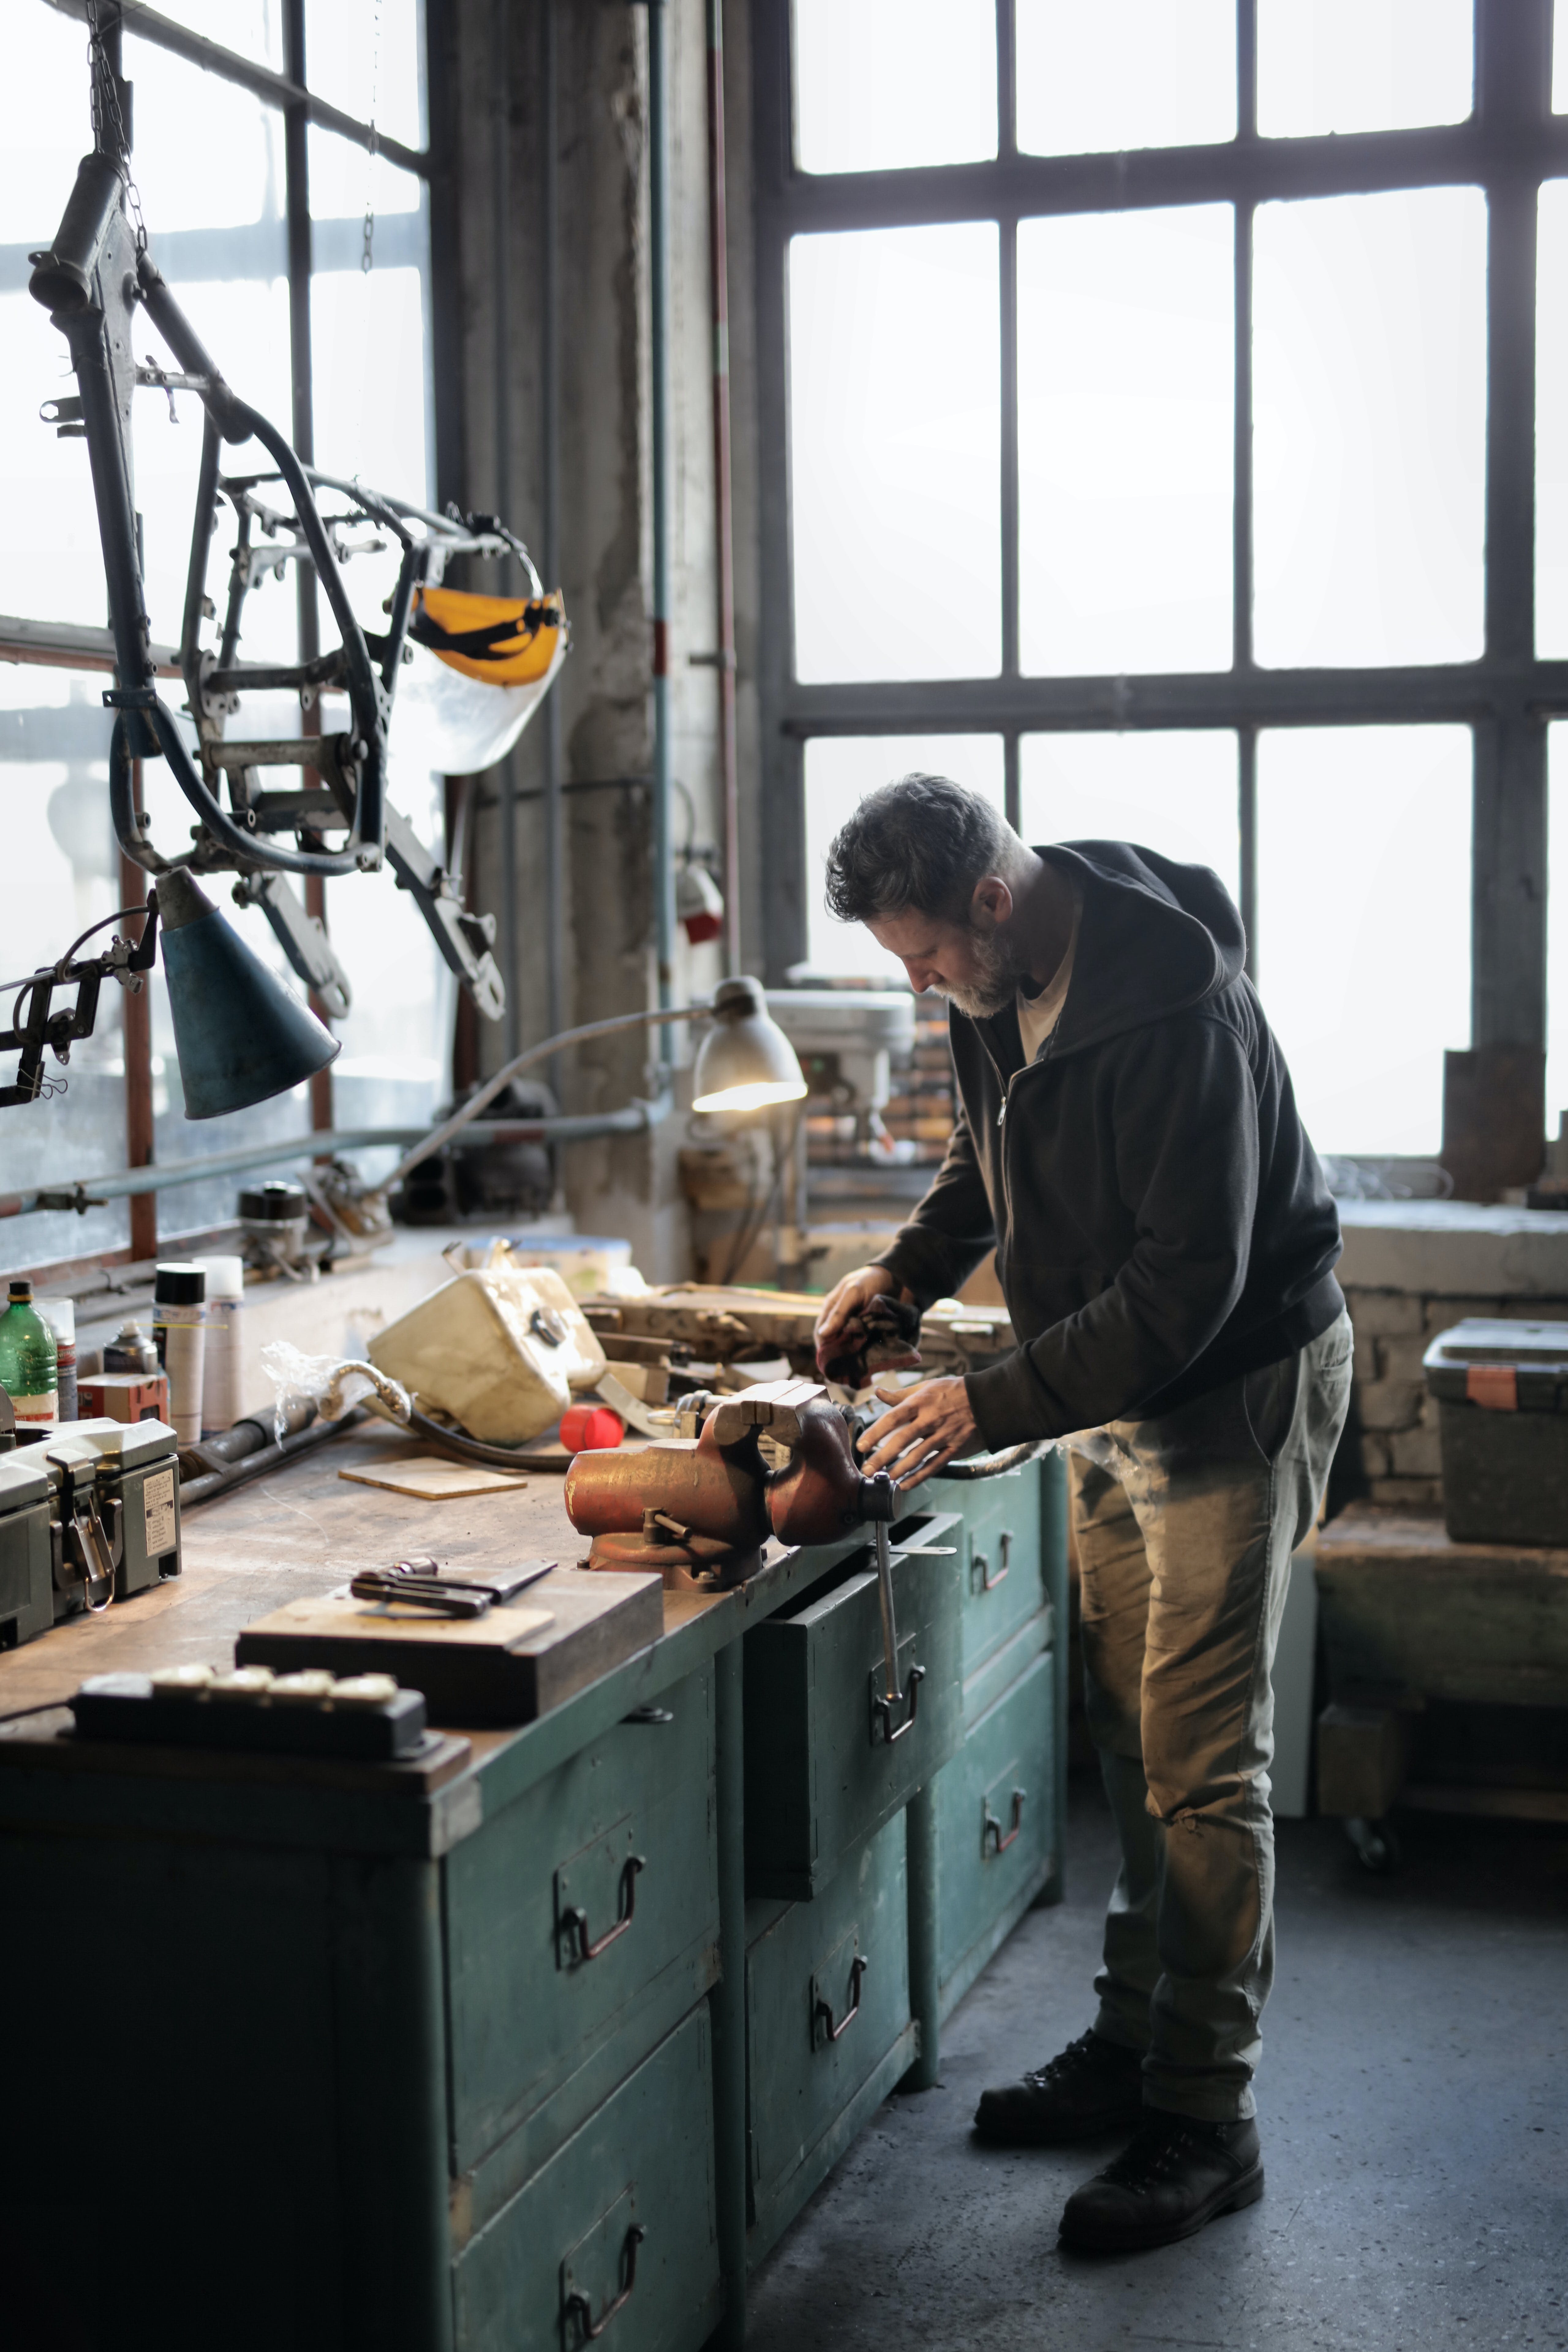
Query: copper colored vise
701	1508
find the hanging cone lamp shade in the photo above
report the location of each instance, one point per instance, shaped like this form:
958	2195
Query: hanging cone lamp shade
240	1035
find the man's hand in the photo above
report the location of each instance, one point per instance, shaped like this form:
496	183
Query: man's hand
931	1423
846	1298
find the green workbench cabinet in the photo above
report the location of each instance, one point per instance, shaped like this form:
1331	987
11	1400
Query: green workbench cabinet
224	2095
580	1922
1003	1562
623	2209
996	1825
821	1774
828	2031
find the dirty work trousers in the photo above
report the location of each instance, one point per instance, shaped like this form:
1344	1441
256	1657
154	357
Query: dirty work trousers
1185	1526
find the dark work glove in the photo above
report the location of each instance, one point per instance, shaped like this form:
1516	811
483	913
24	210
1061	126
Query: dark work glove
879	1338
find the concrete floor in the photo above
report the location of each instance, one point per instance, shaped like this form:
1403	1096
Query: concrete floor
1411	2103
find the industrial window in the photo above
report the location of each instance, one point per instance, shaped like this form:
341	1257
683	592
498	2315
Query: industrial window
217	177
1163	404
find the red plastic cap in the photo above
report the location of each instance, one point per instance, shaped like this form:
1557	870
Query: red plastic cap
590	1428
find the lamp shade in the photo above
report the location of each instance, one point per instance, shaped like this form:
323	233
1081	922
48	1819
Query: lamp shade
745	1062
240	1035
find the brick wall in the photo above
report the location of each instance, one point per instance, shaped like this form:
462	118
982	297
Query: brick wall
1397	1420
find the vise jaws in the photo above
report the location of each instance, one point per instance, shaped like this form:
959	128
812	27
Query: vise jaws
700	1508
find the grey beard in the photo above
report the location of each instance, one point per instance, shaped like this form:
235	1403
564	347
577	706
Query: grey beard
995	983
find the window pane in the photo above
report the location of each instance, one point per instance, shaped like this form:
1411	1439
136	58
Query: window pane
840	769
1175	791
1551	422
876	89
53	809
1558	60
1363	924
394	1067
1369	390
1362	65
206	155
1126	378
895	453
365	57
1124	73
369	347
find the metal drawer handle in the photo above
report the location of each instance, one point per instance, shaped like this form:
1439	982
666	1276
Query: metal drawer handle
576	1922
824	2012
884	1711
981	1561
991	1835
578	2307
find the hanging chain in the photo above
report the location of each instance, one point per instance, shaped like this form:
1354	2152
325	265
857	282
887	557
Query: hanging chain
367	257
109	136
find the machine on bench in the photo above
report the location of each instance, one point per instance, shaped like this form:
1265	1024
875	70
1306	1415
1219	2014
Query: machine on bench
89	1514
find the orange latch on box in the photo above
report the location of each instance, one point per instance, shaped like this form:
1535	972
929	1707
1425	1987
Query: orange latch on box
1495	1386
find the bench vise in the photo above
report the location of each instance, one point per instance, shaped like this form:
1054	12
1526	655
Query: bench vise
700	1508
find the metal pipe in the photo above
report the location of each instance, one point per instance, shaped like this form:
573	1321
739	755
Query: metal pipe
136	1034
890	1617
272	88
723	501
549	516
647	1018
506	771
302	420
127	1184
239	1470
658	308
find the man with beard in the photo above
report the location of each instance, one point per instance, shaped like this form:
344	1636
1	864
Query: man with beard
1128	1139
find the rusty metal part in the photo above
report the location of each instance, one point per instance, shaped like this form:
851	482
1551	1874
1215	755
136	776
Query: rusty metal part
704	1509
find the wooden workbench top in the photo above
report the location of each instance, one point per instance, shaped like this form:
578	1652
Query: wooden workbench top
293	1535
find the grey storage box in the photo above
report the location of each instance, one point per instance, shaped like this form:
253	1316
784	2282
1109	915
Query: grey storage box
1502	1398
115	1502
27	1582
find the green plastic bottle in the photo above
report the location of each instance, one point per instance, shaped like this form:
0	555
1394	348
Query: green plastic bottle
29	1365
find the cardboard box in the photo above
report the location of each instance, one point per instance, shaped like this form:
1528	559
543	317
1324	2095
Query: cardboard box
124	1396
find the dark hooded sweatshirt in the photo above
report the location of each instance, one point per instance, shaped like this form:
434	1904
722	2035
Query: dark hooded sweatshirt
1161	1221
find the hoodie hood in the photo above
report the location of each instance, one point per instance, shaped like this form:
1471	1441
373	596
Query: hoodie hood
1160	1220
1155	939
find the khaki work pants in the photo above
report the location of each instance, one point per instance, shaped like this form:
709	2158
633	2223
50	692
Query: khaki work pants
1185	1526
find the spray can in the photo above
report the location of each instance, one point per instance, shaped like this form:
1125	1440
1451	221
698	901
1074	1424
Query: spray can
179	1333
130	1350
59	1314
221	1404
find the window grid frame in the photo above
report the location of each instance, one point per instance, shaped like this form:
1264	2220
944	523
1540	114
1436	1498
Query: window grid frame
1509	144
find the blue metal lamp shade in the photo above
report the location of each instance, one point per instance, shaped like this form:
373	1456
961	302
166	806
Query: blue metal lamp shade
241	1037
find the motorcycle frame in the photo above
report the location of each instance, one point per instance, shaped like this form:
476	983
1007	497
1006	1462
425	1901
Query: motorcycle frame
94	281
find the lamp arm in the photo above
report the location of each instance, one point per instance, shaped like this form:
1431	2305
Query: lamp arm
441	1135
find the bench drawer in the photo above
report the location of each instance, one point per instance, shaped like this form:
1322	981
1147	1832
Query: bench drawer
821	1773
996	1814
643	2162
579	1924
1007	1522
827	2027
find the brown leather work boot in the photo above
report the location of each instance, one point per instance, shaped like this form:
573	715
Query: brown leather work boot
1094	2087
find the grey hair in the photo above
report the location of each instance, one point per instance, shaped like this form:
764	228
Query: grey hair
920	844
